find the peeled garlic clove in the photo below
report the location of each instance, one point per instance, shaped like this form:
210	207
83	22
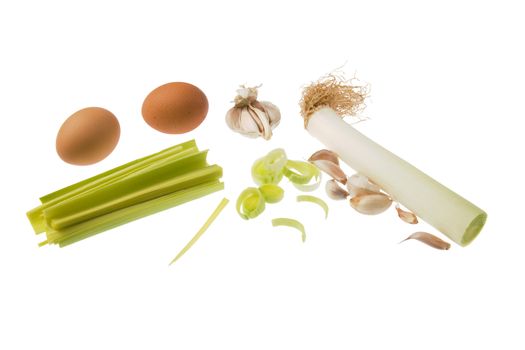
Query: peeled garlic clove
429	239
324	154
361	181
334	191
371	204
406	216
331	169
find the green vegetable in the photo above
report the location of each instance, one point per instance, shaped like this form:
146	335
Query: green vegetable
301	174
313	199
139	188
250	203
203	229
36	216
267	172
272	193
269	169
290	223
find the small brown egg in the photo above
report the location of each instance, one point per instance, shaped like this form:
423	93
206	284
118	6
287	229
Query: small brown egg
175	108
88	136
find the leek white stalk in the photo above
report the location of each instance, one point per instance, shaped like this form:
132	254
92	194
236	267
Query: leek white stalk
442	208
323	105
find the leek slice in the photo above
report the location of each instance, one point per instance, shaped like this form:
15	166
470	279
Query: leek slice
269	169
203	229
301	173
290	223
316	200
250	203
272	193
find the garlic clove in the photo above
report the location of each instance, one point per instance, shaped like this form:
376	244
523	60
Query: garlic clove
272	111
331	169
240	120
334	191
324	154
371	204
260	117
358	191
359	181
406	216
429	239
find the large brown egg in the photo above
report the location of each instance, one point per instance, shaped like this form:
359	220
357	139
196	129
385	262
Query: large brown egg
88	136
175	108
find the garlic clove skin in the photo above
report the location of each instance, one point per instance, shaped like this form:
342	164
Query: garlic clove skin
371	204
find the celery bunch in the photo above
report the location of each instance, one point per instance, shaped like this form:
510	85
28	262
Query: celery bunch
131	191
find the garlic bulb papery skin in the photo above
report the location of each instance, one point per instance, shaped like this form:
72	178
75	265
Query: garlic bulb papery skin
250	117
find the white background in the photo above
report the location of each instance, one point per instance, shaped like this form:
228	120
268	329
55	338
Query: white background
446	94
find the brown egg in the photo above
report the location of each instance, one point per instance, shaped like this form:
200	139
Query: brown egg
88	136
175	108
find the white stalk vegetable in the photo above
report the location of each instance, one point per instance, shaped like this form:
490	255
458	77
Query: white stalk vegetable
442	208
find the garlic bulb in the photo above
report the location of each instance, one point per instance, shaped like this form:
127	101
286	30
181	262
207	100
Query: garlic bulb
250	117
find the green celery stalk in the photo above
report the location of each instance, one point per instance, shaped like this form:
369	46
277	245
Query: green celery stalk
123	194
102	223
163	165
123	169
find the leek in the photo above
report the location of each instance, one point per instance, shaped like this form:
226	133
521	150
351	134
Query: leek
442	208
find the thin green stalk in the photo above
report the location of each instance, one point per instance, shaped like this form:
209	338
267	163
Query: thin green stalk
203	229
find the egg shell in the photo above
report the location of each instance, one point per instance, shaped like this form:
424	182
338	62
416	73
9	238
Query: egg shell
175	108
88	136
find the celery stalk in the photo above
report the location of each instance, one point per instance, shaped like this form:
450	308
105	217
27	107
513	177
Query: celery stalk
102	223
83	208
113	185
130	166
136	189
